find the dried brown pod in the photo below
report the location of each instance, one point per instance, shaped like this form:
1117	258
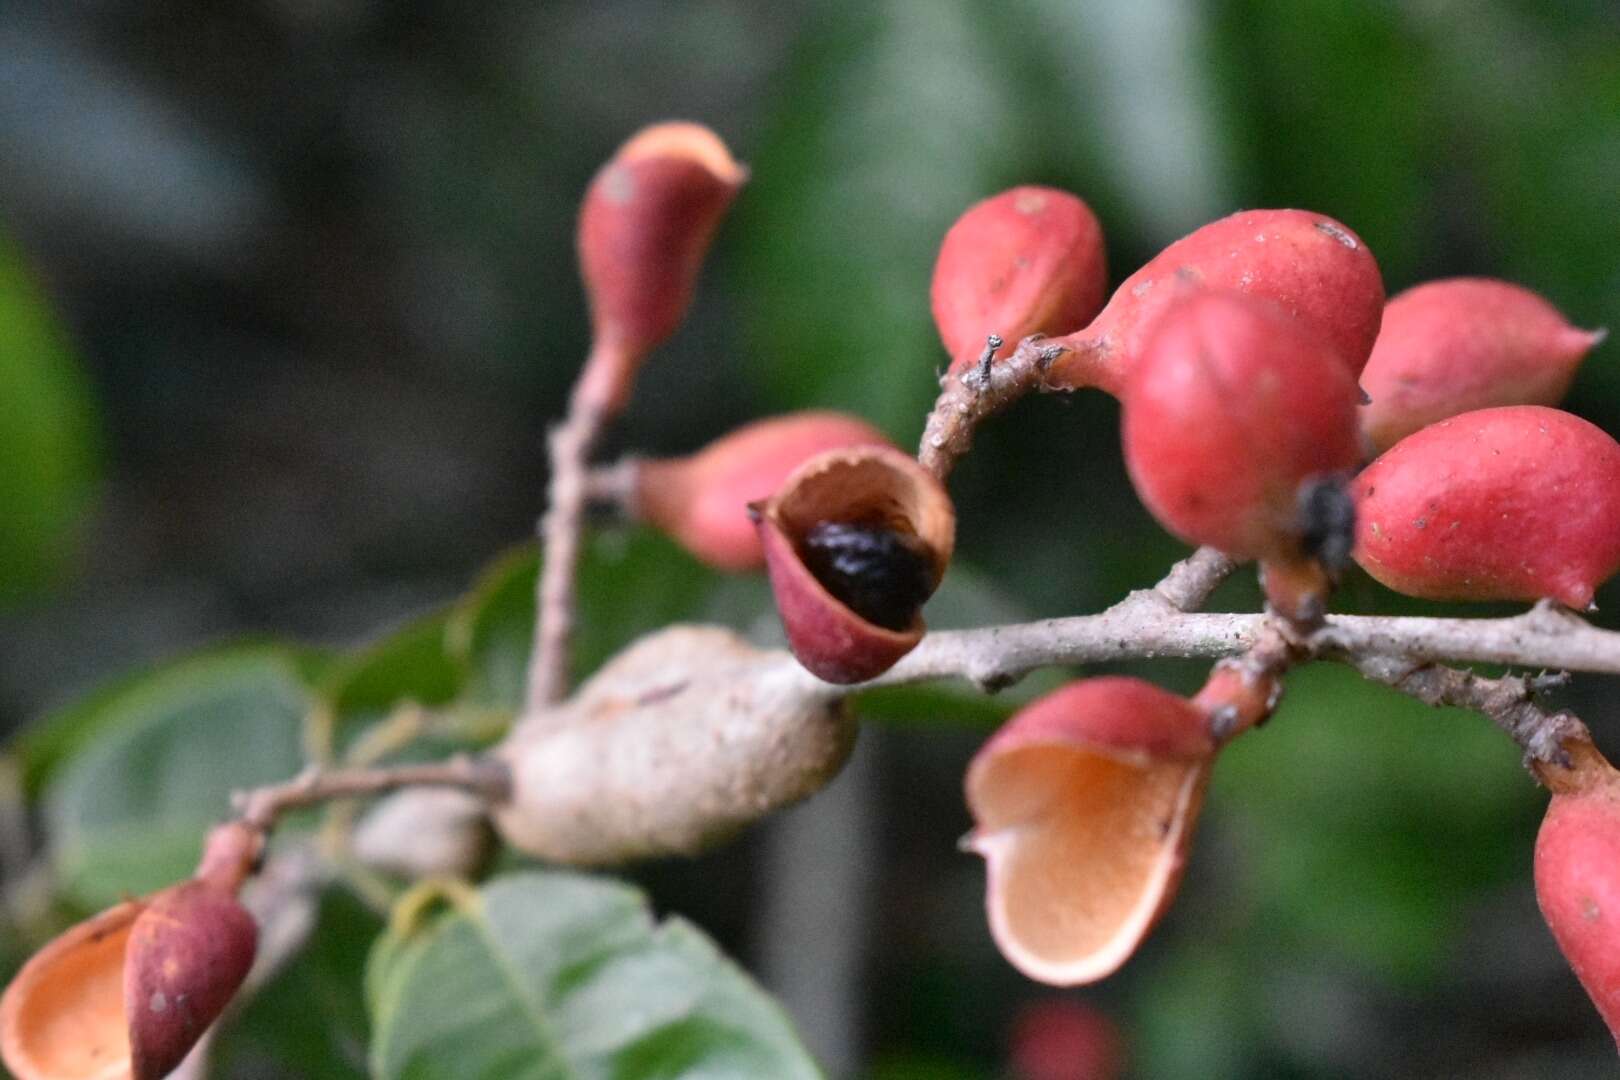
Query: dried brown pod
855	541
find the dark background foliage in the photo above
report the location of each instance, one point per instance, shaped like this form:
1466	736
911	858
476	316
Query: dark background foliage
287	298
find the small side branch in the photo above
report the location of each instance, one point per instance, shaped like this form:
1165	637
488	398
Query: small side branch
261	807
967	399
1510	701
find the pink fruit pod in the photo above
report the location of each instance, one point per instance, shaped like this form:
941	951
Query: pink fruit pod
1515	503
644	227
1238	425
1084	805
855	541
1577	872
1311	266
1452	346
1028	261
1064	1039
702	500
127	993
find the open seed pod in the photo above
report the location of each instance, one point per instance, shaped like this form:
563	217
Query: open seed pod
127	993
702	500
855	541
672	746
1084	805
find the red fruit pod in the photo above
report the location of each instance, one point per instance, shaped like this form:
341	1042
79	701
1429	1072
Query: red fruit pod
128	992
1515	503
644	227
855	541
1232	409
1064	1039
1028	261
1453	346
188	953
1312	267
702	500
1084	805
1577	871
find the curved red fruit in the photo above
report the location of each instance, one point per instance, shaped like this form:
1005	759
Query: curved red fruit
1314	268
702	500
126	994
855	541
1516	503
1063	1039
1448	347
187	955
1231	407
1028	261
1084	805
1578	882
644	227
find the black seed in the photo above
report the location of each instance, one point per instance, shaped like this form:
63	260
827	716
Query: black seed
1327	521
882	575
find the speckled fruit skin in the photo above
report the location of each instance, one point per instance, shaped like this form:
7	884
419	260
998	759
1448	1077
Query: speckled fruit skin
1452	346
1312	267
644	227
1231	406
1516	503
1577	871
702	500
1029	260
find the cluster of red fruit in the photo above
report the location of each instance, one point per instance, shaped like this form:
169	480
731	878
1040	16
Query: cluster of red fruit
1236	355
1258	368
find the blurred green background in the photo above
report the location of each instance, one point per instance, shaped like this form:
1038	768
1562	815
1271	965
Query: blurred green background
287	299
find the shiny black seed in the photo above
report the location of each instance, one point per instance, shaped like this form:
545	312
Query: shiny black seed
880	574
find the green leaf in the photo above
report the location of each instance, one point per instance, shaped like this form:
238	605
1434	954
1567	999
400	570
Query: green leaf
560	975
310	1020
127	814
47	435
412	664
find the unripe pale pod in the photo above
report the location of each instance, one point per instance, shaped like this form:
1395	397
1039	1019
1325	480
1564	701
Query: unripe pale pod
127	993
1312	267
1084	805
1029	260
1578	875
1232	411
642	761
855	541
1452	346
1515	503
702	500
425	832
644	227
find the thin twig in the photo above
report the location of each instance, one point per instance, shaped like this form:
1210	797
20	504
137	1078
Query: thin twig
561	533
1145	625
482	776
967	399
1508	700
